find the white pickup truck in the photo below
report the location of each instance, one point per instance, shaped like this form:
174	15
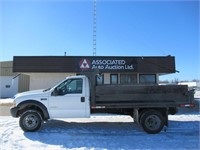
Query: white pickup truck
78	97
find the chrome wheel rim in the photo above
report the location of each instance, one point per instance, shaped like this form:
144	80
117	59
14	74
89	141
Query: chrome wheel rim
31	121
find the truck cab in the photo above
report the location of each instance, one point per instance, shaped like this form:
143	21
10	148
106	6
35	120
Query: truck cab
70	98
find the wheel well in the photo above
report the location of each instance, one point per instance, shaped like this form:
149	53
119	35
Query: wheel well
163	111
31	107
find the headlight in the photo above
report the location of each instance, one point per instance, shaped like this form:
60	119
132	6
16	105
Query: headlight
14	96
14	103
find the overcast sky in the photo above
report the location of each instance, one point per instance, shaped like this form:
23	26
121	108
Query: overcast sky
124	28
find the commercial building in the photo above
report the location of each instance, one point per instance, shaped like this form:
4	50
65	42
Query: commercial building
42	72
45	71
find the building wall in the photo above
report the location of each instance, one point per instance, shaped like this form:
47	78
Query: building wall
8	87
6	68
46	80
24	83
106	78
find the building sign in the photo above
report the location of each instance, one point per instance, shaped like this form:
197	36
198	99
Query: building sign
85	64
105	64
77	64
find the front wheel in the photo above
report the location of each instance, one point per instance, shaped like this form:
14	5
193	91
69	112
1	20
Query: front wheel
152	121
30	121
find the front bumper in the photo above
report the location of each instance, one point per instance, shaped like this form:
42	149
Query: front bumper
14	111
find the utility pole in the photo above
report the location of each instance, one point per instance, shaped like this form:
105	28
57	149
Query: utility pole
94	27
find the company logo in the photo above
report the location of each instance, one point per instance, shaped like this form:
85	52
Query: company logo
84	64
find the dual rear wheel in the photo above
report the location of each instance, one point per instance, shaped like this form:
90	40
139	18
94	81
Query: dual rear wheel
152	121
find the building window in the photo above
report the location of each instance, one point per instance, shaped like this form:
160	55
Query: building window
7	86
114	79
147	78
99	80
128	79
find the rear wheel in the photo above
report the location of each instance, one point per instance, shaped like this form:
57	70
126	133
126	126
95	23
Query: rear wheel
30	121
152	121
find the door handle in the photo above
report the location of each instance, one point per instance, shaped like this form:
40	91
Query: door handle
82	99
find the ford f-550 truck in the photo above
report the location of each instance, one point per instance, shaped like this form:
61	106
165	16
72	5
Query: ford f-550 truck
79	97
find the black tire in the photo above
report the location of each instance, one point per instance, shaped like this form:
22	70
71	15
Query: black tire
152	121
30	121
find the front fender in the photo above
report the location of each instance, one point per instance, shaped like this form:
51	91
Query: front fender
32	103
14	111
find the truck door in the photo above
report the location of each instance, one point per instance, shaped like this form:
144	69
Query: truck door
67	100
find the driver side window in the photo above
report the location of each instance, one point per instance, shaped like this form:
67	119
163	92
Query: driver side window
71	86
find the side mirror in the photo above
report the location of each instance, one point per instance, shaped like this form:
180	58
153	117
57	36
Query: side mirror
55	92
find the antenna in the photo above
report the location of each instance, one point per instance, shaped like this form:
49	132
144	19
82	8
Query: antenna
94	27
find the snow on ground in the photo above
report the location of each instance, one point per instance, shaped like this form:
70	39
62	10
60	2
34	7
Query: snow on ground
101	132
6	101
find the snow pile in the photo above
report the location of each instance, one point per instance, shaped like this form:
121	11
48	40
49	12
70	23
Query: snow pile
101	132
5	102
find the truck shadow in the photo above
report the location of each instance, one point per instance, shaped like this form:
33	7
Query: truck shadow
107	135
89	135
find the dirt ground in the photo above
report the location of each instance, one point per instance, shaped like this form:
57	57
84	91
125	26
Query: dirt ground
5	109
